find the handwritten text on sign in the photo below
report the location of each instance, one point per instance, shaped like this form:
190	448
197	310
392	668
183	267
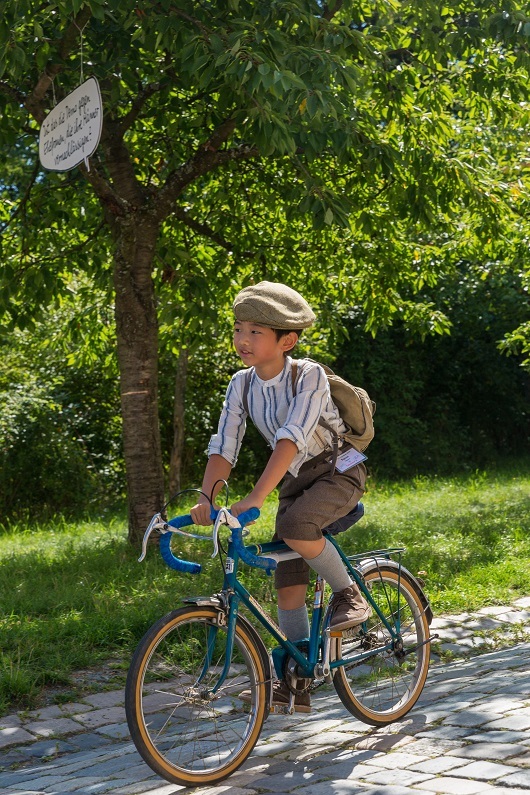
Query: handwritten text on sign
70	132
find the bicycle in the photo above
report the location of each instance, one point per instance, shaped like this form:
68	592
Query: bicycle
182	692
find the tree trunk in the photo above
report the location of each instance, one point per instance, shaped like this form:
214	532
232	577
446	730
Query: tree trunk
175	464
137	339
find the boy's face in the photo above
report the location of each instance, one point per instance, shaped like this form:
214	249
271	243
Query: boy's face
257	346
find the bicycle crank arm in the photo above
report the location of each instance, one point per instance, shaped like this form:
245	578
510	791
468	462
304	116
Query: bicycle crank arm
419	646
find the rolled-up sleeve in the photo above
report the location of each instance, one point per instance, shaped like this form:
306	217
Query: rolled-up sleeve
312	393
232	424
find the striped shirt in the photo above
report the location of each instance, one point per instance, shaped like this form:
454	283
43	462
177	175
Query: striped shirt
279	415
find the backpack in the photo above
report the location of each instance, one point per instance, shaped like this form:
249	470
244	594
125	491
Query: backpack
355	408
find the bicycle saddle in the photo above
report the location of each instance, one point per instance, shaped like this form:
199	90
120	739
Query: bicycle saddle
345	522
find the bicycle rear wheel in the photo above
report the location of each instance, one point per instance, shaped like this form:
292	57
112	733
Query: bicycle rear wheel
384	687
185	732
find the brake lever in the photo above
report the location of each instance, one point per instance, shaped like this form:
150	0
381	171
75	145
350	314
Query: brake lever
224	517
156	523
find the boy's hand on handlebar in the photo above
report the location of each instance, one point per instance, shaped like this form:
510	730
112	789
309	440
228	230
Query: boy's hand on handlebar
245	504
200	514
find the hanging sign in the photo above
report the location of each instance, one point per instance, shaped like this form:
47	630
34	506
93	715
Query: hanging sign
70	132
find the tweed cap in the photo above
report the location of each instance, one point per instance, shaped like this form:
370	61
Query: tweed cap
273	305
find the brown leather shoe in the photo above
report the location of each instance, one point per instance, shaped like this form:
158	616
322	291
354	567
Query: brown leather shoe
280	697
350	608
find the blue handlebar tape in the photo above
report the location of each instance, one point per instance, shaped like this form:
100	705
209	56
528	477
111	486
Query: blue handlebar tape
168	557
244	518
268	564
237	537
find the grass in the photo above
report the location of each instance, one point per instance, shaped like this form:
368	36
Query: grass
74	596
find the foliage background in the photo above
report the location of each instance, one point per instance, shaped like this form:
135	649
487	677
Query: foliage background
373	154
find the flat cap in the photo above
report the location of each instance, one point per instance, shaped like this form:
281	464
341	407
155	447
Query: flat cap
274	305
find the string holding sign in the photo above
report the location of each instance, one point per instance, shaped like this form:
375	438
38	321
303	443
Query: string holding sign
71	131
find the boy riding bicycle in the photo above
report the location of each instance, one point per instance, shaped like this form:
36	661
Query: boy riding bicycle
269	319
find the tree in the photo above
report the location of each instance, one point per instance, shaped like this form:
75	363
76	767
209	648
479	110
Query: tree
243	140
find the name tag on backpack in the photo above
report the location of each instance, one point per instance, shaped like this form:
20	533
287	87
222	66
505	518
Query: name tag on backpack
349	459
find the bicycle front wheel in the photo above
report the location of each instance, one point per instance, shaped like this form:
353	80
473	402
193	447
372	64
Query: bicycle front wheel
384	687
185	731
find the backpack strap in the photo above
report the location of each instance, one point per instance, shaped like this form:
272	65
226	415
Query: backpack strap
244	399
246	387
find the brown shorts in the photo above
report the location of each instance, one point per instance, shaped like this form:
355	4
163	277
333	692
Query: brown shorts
310	502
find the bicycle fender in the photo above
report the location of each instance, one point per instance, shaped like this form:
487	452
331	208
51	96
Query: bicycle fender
370	563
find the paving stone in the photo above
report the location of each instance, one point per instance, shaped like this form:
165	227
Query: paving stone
117	730
454	648
484	771
498	737
100	717
89	741
522	602
440	622
53	726
74	708
521	761
382	743
290	779
446	733
454	786
492	610
44	713
340	787
508	791
109	698
520	778
165	789
468	718
440	764
480	623
101	786
491	751
404	778
424	747
515	616
514	722
9	760
15	735
46	749
502	705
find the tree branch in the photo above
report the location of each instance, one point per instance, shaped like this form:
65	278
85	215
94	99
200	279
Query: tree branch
33	102
329	14
203	229
207	158
127	121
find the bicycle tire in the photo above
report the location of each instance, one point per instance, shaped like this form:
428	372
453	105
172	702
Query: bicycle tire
384	687
182	732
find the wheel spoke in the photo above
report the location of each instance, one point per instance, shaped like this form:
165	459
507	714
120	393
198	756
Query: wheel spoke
187	730
385	686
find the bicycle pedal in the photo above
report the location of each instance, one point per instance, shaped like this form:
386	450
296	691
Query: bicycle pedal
349	634
281	709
